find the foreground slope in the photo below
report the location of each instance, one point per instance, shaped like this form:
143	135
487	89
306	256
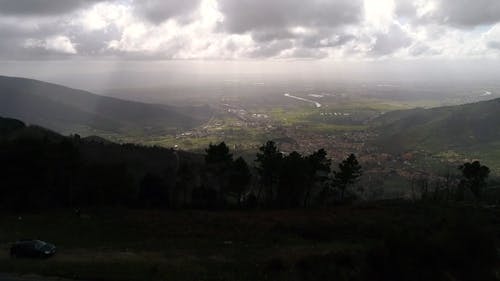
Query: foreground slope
69	110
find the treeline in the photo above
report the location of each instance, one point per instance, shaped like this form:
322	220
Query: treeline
467	183
276	179
42	169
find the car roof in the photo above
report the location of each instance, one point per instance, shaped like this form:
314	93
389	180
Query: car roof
30	241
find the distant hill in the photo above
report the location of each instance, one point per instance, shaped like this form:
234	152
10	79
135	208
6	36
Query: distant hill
464	128
69	110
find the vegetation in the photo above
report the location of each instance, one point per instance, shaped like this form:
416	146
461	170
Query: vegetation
90	172
124	197
474	177
84	172
441	129
349	172
372	241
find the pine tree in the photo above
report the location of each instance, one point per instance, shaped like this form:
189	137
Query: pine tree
348	174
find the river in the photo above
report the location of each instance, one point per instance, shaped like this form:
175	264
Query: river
317	104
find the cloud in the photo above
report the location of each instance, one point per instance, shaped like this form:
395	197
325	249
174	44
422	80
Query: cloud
492	38
391	41
158	11
271	49
494	45
248	29
467	13
41	7
456	13
58	44
291	28
278	16
420	49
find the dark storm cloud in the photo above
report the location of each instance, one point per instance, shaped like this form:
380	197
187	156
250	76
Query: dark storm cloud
260	16
157	11
41	7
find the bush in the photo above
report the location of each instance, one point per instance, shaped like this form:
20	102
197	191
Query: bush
450	249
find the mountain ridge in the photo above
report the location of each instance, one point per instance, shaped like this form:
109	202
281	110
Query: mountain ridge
69	110
443	128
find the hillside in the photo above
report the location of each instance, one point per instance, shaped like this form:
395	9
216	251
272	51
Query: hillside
69	110
462	127
92	170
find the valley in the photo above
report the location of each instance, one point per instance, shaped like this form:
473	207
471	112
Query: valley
381	126
342	125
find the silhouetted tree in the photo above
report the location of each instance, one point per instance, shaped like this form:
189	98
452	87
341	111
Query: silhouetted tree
8	126
319	169
292	181
218	161
185	180
474	177
348	173
153	191
218	154
240	179
105	185
268	165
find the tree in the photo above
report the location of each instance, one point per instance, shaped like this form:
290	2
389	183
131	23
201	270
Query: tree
218	155
268	165
153	191
218	163
319	169
348	174
474	177
185	181
240	179
292	181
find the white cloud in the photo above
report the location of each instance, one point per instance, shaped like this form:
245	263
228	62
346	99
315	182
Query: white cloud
251	29
58	44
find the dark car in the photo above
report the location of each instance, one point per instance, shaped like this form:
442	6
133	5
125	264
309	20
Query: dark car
32	249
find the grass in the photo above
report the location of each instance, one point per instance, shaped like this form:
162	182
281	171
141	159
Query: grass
117	244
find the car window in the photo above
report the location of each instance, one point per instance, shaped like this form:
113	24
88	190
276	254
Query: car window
39	244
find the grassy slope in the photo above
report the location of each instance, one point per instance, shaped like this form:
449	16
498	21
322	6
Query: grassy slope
199	245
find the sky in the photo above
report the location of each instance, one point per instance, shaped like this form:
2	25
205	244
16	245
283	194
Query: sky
333	32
